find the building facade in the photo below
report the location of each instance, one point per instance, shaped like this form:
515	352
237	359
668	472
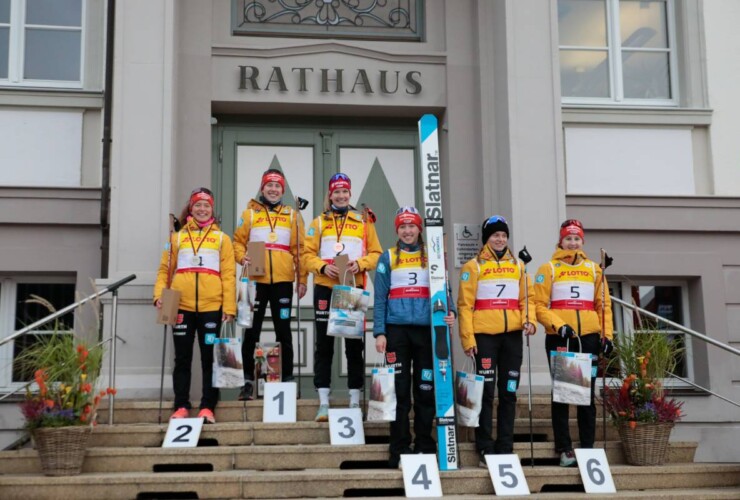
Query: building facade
621	113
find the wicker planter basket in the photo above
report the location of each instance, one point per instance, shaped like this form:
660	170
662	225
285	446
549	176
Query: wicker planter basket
62	449
647	443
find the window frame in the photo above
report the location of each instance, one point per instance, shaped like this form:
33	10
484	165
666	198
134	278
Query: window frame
614	58
8	297
17	49
626	324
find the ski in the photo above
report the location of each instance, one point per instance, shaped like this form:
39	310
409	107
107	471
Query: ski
447	455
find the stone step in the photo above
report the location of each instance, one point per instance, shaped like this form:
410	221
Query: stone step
233	433
279	457
335	483
129	411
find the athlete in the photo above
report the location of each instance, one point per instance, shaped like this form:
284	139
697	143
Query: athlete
493	302
205	277
402	329
268	220
568	292
340	230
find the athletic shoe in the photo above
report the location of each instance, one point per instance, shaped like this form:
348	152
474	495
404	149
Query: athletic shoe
247	392
323	414
568	459
482	457
181	413
207	416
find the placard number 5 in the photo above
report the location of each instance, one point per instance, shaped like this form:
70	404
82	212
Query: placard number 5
504	471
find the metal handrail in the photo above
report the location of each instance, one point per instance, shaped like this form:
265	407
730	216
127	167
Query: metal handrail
677	326
688	331
112	288
61	312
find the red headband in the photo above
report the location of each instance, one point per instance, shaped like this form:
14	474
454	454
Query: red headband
339	184
571	229
408	218
200	195
272	177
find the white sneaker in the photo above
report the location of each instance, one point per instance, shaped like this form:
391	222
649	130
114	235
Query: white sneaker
323	414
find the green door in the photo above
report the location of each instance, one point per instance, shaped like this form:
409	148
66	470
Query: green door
382	163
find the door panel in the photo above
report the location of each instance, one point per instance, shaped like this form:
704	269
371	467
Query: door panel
381	164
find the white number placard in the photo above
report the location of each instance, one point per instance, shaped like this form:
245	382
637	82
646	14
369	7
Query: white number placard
507	475
595	473
421	476
183	433
279	404
345	426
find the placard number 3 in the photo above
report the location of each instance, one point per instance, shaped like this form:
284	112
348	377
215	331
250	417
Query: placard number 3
348	425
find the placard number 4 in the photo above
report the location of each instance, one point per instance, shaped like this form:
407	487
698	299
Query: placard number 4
421	477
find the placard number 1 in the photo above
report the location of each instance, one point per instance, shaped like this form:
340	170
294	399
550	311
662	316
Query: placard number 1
280	398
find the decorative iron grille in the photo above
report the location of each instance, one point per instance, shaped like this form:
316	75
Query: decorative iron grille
367	19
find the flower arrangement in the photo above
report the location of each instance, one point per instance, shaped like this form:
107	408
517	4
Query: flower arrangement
642	361
66	372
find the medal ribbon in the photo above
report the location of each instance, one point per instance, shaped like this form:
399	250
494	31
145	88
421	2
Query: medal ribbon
269	221
195	250
336	225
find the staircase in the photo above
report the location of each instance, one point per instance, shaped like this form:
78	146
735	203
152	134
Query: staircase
241	457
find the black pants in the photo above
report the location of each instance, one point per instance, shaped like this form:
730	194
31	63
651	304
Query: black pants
204	323
280	298
407	346
499	356
560	411
324	352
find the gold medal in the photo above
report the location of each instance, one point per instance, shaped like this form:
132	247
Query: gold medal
195	260
272	237
338	247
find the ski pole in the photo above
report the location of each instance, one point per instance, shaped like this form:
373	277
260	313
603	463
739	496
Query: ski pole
606	261
525	257
300	204
174	227
367	214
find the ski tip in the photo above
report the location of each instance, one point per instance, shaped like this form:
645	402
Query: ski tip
427	125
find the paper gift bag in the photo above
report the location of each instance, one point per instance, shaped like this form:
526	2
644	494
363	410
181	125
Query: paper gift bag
571	377
382	404
469	398
228	368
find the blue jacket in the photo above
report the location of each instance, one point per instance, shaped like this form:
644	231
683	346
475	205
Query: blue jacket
414	311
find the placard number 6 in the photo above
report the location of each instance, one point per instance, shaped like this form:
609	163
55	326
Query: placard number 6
594	473
347	425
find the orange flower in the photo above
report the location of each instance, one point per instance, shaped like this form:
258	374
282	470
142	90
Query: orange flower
622	413
633	424
96	400
86	409
80	348
83	418
86	387
678	412
111	390
49	403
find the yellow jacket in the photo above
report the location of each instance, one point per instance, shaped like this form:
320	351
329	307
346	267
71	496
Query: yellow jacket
205	289
358	240
281	255
566	268
492	296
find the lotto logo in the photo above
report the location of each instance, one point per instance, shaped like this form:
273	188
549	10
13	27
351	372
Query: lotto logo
390	357
180	318
323	304
486	363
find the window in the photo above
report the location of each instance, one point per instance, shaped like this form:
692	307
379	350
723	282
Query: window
617	52
668	300
41	42
19	308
